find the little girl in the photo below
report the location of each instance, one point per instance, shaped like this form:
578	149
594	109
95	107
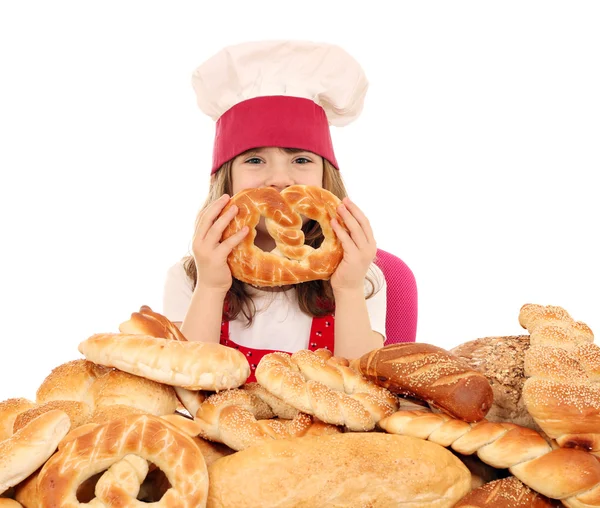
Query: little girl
273	103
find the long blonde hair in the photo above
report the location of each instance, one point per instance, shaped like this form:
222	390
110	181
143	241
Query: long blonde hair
315	298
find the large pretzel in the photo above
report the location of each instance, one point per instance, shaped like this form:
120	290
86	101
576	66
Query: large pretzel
125	447
240	419
332	392
568	474
292	261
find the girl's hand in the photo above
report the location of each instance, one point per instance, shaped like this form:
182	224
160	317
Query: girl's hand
210	254
359	248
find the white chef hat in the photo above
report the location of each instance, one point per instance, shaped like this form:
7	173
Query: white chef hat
279	93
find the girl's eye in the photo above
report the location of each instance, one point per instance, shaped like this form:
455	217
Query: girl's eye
253	160
302	160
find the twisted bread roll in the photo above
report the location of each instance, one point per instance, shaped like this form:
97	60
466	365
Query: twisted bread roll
333	393
147	322
325	471
144	436
432	374
506	493
31	446
192	365
292	261
571	475
241	419
562	393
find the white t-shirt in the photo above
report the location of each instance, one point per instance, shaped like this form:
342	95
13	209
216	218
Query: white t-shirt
279	324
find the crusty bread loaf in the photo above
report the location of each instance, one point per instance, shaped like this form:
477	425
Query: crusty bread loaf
350	469
501	360
29	447
294	261
192	365
506	493
431	374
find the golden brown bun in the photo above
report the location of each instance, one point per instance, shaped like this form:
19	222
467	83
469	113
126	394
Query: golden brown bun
506	493
501	361
70	381
192	365
125	446
78	412
332	392
293	261
29	447
351	469
9	410
121	388
148	322
432	374
570	475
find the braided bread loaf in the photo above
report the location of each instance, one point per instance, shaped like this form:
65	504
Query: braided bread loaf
562	392
571	475
332	392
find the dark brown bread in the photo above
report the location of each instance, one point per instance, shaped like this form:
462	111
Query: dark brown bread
501	360
506	493
432	374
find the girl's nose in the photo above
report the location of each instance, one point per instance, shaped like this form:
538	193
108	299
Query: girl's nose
279	178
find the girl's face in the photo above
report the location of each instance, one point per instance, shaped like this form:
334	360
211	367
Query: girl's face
274	167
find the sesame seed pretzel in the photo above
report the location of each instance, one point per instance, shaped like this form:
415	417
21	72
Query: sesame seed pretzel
240	418
292	261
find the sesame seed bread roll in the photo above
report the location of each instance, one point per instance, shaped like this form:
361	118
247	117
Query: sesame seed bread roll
506	493
191	365
9	411
432	374
343	470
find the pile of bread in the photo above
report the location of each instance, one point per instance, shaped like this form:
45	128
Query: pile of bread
148	417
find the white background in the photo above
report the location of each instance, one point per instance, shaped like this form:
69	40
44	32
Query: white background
475	159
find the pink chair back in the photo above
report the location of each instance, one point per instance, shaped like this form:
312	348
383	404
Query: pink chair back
402	309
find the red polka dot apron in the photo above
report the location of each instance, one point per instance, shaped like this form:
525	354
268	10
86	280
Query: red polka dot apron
321	336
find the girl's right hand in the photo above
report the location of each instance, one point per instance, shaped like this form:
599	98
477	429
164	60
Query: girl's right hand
210	254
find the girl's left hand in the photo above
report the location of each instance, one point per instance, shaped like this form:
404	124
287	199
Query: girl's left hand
359	248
